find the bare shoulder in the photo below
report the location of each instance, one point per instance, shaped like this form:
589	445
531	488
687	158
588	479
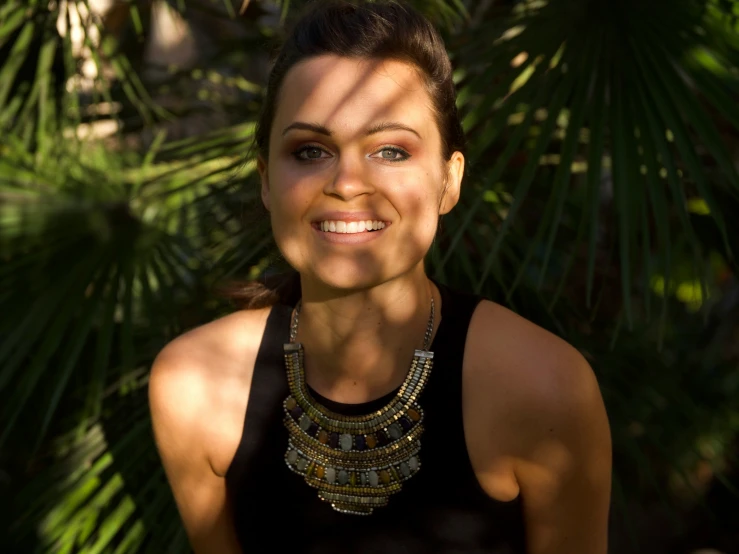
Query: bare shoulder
524	358
235	334
540	400
207	370
198	391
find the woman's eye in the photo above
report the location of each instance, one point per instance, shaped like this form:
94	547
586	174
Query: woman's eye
309	153
394	154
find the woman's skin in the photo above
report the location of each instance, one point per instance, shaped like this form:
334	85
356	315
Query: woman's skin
357	140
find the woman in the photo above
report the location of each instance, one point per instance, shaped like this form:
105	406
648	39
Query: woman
382	412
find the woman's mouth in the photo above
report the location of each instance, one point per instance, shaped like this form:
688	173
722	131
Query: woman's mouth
350	232
350	227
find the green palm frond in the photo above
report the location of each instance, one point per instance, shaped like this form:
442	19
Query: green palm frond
41	53
92	504
98	283
598	87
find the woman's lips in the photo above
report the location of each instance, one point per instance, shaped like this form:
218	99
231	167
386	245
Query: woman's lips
349	238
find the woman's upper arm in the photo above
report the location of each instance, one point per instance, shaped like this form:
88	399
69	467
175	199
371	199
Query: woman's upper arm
548	413
565	478
178	400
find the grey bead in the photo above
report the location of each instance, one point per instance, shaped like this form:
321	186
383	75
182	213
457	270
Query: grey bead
405	470
302	464
330	475
346	442
305	422
363	478
343	477
395	431
374	480
292	457
413	463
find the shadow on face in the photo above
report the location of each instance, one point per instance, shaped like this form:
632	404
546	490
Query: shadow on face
356	141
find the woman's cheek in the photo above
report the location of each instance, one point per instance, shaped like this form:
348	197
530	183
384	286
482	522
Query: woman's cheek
289	192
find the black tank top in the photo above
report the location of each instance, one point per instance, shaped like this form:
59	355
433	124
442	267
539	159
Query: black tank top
441	510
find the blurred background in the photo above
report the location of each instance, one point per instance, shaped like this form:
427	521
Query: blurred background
600	202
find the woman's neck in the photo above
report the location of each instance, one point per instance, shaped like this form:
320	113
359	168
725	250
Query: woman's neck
358	346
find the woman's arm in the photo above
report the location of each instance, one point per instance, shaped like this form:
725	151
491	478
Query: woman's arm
565	476
178	399
548	414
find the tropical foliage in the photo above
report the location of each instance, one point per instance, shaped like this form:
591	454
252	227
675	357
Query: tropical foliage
600	202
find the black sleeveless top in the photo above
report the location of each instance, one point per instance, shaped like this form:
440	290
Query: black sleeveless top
443	509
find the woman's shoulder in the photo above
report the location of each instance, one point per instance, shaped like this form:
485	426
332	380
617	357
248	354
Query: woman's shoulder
199	382
207	346
542	410
495	328
535	374
207	359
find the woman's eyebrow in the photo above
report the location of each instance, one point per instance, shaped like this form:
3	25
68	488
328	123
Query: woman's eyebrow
390	126
374	129
315	127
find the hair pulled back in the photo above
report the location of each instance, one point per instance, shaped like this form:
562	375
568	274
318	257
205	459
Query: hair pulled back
368	30
364	30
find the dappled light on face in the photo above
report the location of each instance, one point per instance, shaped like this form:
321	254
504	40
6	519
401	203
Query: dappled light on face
347	112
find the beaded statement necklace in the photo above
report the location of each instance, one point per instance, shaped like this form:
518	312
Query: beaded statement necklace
355	462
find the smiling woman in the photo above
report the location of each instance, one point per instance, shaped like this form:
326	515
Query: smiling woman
375	155
376	410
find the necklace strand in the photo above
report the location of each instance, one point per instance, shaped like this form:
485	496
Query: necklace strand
355	462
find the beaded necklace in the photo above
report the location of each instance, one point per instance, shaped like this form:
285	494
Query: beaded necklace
355	462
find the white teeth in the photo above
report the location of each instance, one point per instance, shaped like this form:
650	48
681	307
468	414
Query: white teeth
350	227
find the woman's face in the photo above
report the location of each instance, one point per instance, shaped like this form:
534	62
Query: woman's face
355	144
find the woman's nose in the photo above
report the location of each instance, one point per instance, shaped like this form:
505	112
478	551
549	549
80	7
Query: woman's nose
350	179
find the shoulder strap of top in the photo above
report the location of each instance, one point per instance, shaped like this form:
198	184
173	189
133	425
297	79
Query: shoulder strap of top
443	394
268	390
456	313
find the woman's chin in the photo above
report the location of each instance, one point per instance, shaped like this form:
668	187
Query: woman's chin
351	273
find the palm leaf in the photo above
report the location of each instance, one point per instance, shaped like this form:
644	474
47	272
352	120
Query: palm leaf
666	61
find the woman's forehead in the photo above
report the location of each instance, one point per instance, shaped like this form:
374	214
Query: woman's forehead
348	94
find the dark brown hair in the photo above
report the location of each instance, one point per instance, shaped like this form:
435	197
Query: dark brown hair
363	30
368	30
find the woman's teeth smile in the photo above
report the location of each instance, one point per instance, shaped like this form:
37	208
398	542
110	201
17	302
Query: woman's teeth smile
350	227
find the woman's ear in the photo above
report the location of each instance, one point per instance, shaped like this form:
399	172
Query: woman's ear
264	177
455	172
